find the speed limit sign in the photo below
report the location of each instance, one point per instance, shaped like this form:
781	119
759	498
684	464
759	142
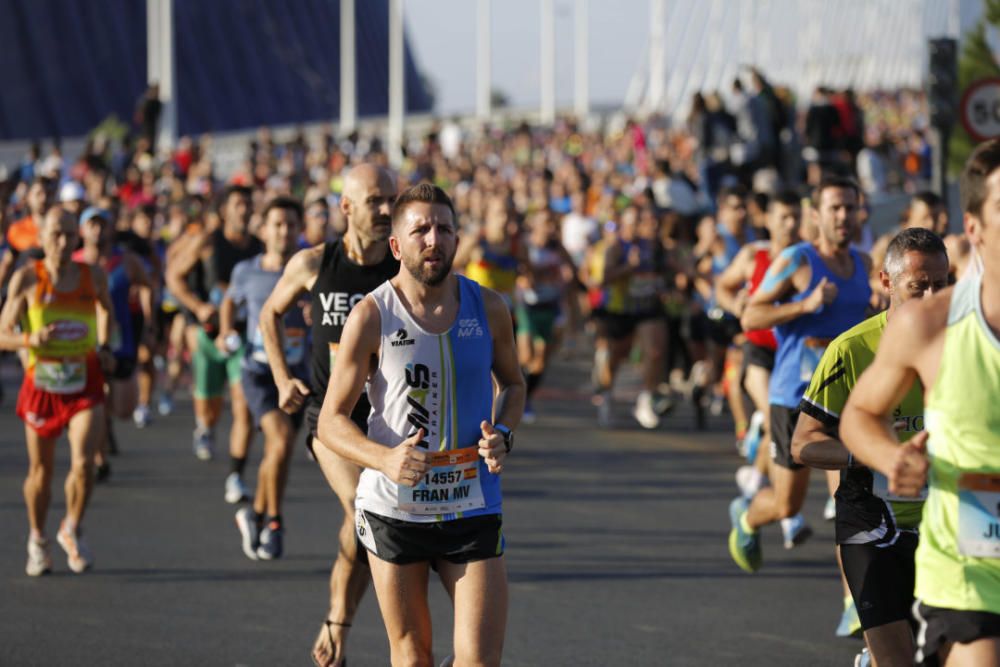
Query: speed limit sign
980	109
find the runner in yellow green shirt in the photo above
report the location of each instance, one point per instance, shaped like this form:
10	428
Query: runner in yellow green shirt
876	531
950	343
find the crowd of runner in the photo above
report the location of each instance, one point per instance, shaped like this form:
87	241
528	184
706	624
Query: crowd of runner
316	288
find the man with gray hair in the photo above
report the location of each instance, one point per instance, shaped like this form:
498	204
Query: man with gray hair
876	531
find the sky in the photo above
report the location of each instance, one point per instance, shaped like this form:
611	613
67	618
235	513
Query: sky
442	33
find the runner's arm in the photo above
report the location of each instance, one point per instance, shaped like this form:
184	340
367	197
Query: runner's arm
404	463
815	441
13	310
227	319
508	406
359	347
299	276
234	297
866	427
763	310
177	271
731	283
815	444
105	319
7	264
144	287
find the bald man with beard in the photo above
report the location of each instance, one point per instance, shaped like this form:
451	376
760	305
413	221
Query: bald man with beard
336	276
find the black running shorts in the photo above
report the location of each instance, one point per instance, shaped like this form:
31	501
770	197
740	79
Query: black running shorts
755	355
124	368
937	627
262	396
783	422
457	541
881	579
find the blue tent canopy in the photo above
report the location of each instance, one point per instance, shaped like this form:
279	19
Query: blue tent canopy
65	65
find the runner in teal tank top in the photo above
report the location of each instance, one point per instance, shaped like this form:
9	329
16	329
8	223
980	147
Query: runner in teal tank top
950	343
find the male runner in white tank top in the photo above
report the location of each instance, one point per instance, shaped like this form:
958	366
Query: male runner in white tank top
429	345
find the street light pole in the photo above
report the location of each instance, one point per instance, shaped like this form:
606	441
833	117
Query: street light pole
160	67
348	69
581	60
397	89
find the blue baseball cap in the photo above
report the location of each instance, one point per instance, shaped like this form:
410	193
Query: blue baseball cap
92	212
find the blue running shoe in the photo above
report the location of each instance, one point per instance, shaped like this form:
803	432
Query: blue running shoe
270	547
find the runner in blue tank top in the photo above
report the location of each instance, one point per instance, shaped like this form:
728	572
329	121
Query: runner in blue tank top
811	293
126	275
429	344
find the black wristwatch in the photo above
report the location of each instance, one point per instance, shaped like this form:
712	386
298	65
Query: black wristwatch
508	436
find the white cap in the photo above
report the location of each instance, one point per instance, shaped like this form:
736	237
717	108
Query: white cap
71	191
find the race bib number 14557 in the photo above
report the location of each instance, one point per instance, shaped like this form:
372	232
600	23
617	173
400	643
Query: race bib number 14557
451	485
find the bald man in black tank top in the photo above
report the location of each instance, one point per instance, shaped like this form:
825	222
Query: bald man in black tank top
337	275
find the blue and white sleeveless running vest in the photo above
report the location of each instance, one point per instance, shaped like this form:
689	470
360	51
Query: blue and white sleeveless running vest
802	341
443	384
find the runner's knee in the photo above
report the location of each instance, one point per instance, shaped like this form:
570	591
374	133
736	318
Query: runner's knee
82	467
786	507
278	448
410	651
38	474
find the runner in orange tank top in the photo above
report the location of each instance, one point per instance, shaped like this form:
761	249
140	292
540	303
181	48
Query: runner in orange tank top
65	314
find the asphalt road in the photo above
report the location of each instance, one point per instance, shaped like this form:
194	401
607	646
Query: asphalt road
616	550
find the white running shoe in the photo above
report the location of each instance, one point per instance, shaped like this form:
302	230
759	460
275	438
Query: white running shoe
39	558
749	480
204	443
644	413
78	555
142	416
246	521
830	509
863	659
795	531
236	491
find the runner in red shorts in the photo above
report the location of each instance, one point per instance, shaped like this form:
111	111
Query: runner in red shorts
64	310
